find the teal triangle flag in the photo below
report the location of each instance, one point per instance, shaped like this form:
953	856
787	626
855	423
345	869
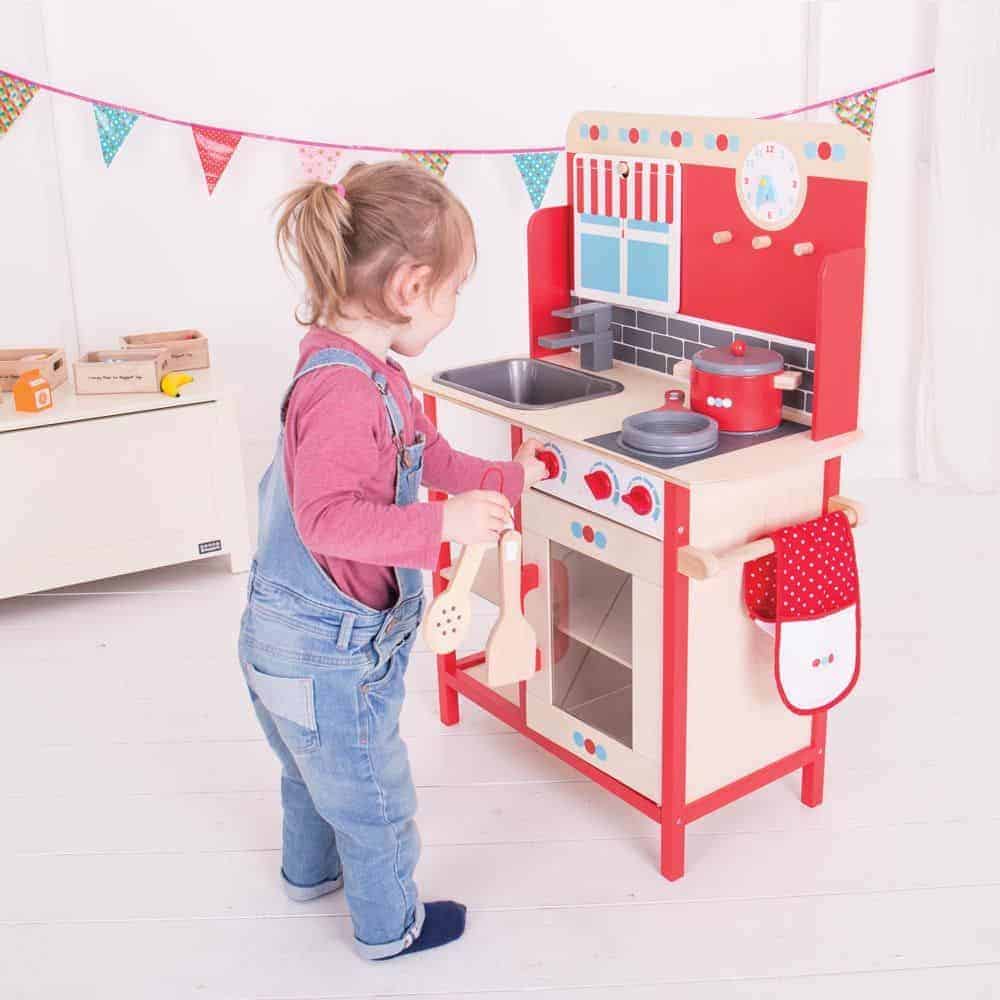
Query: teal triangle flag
536	171
113	127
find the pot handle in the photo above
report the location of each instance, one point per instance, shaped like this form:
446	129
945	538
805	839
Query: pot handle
786	380
682	370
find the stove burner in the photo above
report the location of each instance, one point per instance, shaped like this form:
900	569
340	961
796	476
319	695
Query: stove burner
727	443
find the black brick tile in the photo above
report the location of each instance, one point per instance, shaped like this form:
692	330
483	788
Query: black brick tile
792	355
811	363
649	321
650	360
753	341
682	328
626	317
668	345
616	332
690	350
809	402
637	338
795	398
715	337
623	352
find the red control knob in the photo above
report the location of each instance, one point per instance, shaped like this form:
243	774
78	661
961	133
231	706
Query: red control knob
551	462
599	484
639	499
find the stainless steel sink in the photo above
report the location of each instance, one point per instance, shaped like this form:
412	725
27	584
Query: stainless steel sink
528	384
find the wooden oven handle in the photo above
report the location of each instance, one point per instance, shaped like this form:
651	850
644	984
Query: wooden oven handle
700	564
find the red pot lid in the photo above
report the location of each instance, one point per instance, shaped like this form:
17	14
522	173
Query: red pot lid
738	359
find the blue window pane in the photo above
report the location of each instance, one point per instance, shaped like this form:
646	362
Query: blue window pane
649	227
600	267
647	270
600	220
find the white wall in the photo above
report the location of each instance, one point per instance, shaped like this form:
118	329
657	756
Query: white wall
150	250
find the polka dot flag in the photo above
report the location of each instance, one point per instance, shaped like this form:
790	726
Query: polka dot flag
14	98
436	163
318	163
215	150
536	172
113	127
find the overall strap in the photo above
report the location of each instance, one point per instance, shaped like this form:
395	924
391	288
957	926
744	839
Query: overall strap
332	357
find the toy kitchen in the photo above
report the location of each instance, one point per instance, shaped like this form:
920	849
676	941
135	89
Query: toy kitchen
692	366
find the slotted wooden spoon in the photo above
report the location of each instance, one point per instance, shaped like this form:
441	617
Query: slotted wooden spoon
447	619
510	649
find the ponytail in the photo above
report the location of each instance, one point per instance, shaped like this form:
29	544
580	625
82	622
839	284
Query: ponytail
314	226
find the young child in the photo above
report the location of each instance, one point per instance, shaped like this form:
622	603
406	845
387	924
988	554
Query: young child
335	594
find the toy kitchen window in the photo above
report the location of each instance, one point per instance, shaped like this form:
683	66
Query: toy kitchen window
592	642
627	231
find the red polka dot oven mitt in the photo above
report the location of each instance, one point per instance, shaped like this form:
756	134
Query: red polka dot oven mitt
806	596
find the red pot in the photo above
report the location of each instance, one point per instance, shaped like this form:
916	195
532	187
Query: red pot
740	386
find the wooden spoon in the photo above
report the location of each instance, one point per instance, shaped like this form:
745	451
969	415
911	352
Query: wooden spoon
510	649
447	619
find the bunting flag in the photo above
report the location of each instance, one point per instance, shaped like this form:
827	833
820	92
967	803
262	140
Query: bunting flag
318	163
536	172
858	110
14	98
215	150
436	163
113	127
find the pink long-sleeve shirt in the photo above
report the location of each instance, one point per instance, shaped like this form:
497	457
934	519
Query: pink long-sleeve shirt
340	468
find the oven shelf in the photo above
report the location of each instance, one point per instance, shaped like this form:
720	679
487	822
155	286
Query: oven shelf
598	607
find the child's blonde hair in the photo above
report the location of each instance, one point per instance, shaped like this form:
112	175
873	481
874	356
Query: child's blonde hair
347	245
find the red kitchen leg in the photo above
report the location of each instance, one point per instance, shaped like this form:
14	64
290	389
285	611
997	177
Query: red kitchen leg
675	640
813	774
447	662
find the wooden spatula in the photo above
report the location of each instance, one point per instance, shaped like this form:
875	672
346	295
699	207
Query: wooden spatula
448	618
510	649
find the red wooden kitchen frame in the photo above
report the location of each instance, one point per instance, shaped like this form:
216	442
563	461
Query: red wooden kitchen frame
674	812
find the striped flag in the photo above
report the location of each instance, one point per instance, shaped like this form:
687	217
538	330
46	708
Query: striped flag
14	98
215	150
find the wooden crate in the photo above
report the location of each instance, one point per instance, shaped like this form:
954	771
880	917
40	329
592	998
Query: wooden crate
50	361
101	372
188	348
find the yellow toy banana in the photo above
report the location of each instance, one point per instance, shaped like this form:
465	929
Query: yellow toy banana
170	384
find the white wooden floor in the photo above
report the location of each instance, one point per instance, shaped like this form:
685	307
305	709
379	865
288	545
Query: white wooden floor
140	816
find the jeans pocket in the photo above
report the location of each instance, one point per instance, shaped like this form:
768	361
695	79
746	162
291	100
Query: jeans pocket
291	702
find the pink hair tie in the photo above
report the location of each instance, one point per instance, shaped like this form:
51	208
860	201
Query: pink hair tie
339	188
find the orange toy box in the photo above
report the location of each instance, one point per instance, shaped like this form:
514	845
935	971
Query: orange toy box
32	392
188	349
49	361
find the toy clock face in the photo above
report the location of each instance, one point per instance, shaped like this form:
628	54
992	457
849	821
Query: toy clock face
771	189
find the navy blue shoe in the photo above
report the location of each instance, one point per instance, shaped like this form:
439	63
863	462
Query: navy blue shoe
444	921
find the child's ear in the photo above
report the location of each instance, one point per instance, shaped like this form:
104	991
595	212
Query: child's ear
408	286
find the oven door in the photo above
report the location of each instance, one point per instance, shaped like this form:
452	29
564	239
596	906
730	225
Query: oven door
598	615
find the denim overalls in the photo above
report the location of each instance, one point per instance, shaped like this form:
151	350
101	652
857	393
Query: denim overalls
325	674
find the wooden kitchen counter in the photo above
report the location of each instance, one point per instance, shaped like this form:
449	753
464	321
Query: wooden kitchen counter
644	391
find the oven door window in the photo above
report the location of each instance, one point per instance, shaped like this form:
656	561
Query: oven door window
592	642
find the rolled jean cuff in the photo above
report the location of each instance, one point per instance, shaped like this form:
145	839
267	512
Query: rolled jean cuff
376	951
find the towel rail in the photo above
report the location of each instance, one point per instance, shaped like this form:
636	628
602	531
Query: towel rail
700	564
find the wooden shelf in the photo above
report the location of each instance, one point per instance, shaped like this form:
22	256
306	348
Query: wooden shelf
597	609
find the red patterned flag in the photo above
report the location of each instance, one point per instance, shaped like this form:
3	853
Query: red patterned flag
14	98
436	163
215	150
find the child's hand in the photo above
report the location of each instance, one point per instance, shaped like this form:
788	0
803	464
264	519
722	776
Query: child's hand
534	470
476	516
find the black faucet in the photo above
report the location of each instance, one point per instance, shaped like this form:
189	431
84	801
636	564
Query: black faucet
591	332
